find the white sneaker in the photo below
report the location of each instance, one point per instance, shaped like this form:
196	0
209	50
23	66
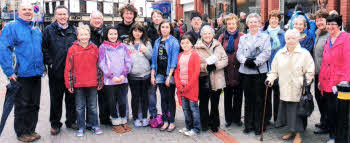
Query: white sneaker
190	133
331	141
137	123
145	122
116	121
183	130
123	121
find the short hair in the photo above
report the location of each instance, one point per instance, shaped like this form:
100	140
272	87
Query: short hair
61	7
252	15
290	32
156	11
128	7
242	14
302	18
196	14
171	27
207	27
231	16
190	38
322	13
138	26
105	33
275	13
335	18
83	26
96	12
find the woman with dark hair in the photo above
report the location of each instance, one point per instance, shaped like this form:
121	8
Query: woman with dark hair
164	60
334	70
140	50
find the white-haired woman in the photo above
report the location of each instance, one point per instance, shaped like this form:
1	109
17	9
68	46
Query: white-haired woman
253	53
306	41
290	65
212	78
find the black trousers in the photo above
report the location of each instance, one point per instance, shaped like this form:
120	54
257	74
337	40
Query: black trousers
103	107
168	102
57	91
27	104
321	103
139	97
116	95
276	101
331	113
254	93
233	104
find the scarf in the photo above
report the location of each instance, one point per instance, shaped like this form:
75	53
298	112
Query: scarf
274	35
230	48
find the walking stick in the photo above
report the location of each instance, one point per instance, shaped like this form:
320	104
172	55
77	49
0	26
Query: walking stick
263	118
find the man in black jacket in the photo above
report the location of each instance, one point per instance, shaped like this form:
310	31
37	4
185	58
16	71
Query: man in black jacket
57	38
128	13
196	24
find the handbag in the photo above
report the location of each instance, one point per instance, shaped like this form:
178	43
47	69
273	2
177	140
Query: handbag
306	103
156	122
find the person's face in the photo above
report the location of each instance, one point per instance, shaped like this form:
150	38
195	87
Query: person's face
179	23
112	35
83	36
128	16
332	28
253	24
186	45
165	29
96	21
137	33
292	41
299	25
321	23
207	35
231	25
61	15
243	17
26	12
157	18
274	21
196	23
219	21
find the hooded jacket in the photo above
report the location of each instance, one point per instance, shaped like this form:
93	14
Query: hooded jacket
141	66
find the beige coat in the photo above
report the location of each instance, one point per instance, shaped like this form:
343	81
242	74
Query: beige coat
289	68
217	78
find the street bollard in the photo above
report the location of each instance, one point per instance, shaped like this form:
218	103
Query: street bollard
343	114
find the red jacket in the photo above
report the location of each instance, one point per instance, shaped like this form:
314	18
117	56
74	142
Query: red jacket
335	66
81	67
191	90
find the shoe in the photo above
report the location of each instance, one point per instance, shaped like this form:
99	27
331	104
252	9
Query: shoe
80	133
183	130
214	129
171	127
123	121
126	127
88	128
36	136
54	131
321	131
287	136
190	133
227	125
320	125
204	129
247	130
116	121
145	122
331	141
26	138
97	131
73	126
297	138
164	127
137	123
119	129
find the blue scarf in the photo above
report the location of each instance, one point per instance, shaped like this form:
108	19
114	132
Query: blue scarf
230	48
274	35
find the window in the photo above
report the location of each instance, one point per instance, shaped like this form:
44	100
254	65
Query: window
47	7
100	6
83	6
116	9
61	2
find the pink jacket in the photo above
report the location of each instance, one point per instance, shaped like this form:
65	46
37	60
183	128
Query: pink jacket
335	66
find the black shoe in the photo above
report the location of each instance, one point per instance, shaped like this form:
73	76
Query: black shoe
55	131
204	129
246	130
227	124
214	129
73	126
321	126
321	131
88	128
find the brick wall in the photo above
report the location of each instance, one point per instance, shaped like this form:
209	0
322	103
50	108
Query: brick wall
333	5
345	12
179	11
264	10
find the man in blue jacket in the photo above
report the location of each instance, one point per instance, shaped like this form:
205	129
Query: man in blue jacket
22	38
56	40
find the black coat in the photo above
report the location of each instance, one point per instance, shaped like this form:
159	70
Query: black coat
55	44
97	35
123	31
195	35
152	33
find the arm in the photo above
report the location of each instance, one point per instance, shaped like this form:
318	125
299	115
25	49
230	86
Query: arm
309	68
175	54
240	57
273	74
127	62
45	47
223	61
346	52
148	52
102	63
266	53
196	71
154	56
6	47
68	70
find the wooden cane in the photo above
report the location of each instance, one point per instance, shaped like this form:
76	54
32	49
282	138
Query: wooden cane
263	118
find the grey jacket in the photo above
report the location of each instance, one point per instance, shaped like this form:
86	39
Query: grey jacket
321	39
260	48
141	61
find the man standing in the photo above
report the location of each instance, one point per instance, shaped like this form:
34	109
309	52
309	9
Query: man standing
128	13
196	24
242	23
22	38
57	38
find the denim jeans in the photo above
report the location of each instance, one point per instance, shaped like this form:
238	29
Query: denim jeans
192	117
152	100
139	97
117	95
168	102
86	97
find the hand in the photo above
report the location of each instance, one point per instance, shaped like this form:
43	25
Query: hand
335	89
249	63
115	80
71	90
153	81
99	88
268	83
319	87
13	78
44	74
167	82
211	68
133	51
142	48
122	78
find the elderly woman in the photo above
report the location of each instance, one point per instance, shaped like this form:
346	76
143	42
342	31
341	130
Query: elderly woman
277	41
334	69
321	38
233	91
253	53
290	65
306	41
212	78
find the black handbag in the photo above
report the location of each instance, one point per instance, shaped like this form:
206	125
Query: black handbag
306	103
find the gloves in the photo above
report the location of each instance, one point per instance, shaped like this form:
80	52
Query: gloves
211	67
249	63
268	83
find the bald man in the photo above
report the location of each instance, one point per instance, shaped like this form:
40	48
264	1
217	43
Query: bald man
22	38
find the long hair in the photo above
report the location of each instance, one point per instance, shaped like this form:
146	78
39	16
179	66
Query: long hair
105	33
160	27
138	26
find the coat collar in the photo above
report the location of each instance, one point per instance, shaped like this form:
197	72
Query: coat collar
340	40
114	45
297	49
201	45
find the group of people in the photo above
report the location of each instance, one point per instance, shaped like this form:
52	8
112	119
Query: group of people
95	65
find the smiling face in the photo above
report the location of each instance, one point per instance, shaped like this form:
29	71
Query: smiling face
165	29
253	24
83	36
128	17
196	23
292	41
96	21
186	45
231	25
137	33
61	15
112	35
26	12
332	28
299	25
321	23
157	18
274	21
207	35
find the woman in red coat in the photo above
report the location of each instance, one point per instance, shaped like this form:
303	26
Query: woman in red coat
186	81
334	68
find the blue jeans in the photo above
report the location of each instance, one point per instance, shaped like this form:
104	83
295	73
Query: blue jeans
152	104
86	97
192	117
